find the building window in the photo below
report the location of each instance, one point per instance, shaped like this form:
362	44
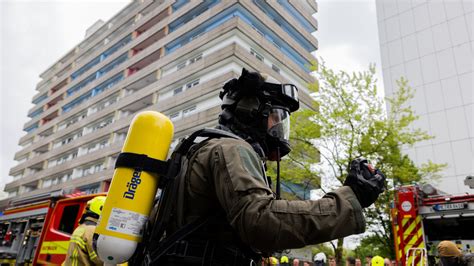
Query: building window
177	90
256	54
192	84
195	59
181	66
275	68
257	30
68	218
174	116
189	111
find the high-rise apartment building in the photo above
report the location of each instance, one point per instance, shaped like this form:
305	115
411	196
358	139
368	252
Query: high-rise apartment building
171	56
430	43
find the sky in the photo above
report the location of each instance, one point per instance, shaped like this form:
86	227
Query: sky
35	34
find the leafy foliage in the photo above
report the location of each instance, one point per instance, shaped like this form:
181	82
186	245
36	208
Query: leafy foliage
346	120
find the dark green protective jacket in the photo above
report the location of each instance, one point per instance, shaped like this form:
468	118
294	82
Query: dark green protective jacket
226	175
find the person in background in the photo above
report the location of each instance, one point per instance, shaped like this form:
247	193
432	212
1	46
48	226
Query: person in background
387	262
332	261
368	260
284	261
320	259
377	261
350	261
80	251
358	262
296	262
449	254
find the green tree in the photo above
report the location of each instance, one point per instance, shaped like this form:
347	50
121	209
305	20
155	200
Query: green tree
372	245
347	119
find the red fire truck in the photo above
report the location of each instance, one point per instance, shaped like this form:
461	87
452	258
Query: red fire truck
422	216
37	231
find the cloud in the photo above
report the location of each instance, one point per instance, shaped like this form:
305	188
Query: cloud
34	35
342	57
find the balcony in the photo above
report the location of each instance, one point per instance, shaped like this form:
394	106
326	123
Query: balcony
149	41
48	118
54	102
152	22
144	62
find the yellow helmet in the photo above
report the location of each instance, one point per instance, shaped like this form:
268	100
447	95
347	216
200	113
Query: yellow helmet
284	259
377	260
95	205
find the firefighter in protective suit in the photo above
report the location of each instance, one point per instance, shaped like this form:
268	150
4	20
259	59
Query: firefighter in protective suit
80	251
226	180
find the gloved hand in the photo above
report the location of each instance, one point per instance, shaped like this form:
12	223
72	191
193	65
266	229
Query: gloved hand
366	182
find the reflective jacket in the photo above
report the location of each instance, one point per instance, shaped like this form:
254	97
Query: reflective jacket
80	251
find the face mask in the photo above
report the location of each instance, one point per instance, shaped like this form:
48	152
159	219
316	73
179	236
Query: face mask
278	125
278	134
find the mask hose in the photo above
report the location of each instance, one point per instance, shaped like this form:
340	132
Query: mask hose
278	174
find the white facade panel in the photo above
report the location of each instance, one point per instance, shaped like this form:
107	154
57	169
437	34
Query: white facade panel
436	37
453	8
439	124
443	154
404	5
458	30
429	67
422	18
396	73
407	23
463	163
392	29
440	40
437	12
463	56
446	64
419	101
410	47
469	23
466	85
395	53
451	92
413	69
467	4
457	123
425	42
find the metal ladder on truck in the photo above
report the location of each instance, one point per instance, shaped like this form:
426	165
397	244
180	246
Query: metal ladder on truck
414	252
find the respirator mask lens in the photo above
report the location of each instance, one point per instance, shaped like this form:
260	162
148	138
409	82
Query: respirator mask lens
290	90
279	124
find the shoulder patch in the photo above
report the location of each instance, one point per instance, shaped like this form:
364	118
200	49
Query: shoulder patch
251	163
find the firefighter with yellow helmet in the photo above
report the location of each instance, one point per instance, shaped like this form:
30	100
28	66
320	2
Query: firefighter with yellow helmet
377	261
80	251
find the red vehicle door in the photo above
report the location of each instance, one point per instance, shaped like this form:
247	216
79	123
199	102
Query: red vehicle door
57	233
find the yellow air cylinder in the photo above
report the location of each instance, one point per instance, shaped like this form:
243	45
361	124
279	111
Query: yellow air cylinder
131	194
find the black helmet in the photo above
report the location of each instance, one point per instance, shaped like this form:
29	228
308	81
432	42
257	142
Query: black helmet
259	109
